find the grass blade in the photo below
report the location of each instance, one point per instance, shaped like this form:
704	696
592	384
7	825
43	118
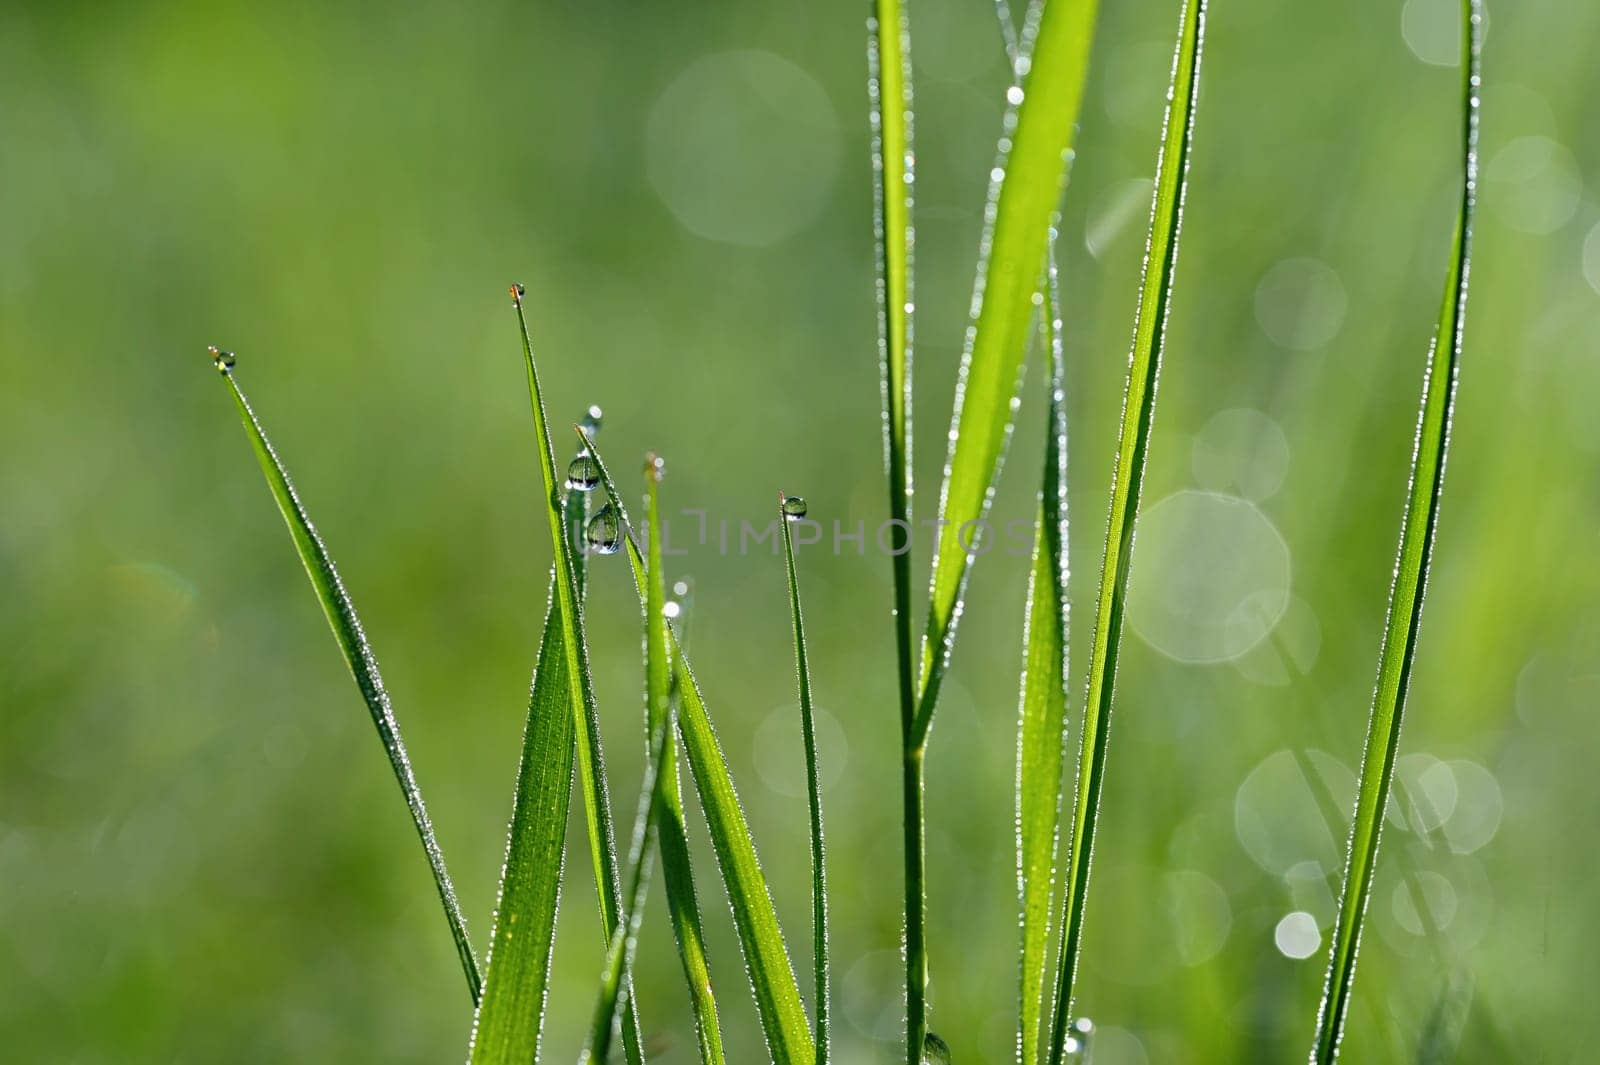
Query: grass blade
889	103
819	869
591	759
341	613
1419	523
783	1016
517	967
677	871
1042	725
1041	130
619	953
1138	410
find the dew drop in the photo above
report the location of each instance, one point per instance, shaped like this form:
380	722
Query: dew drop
517	292
671	609
224	360
590	422
794	508
1014	96
654	467
583	473
604	533
935	1051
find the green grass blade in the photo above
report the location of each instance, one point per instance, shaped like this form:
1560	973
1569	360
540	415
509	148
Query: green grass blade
677	871
619	953
783	1016
1042	725
819	868
591	759
1417	530
1041	131
889	99
1138	411
517	967
341	613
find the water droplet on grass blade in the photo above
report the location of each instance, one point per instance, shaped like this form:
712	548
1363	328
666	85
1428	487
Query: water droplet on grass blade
223	360
794	508
590	422
583	473
934	1050
604	533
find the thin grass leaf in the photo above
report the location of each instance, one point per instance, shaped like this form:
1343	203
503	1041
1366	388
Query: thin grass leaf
1040	126
619	953
1138	411
1419	524
777	995
677	871
893	171
591	759
510	1019
819	868
1042	724
341	614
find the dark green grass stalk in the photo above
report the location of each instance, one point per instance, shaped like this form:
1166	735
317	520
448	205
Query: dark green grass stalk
819	868
677	871
767	964
619	953
1419	524
346	625
1042	717
591	760
889	102
1138	413
510	1019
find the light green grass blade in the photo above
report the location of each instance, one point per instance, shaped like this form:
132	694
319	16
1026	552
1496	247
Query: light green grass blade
1418	527
893	170
677	871
591	759
1138	410
1041	132
517	968
819	868
1042	725
619	953
341	613
783	1016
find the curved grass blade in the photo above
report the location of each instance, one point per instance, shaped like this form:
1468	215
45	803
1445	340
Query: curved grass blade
510	1018
1041	130
619	953
591	759
819	868
783	1016
677	871
1138	411
1418	527
1042	725
341	614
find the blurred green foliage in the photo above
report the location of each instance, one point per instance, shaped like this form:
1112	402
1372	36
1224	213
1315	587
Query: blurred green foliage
201	855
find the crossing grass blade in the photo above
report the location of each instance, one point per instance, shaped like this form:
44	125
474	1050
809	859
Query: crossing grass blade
341	614
819	869
1042	131
590	757
1419	524
619	953
1138	410
1042	725
510	1018
777	995
677	871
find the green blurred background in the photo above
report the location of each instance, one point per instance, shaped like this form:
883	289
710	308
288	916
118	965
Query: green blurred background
202	854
